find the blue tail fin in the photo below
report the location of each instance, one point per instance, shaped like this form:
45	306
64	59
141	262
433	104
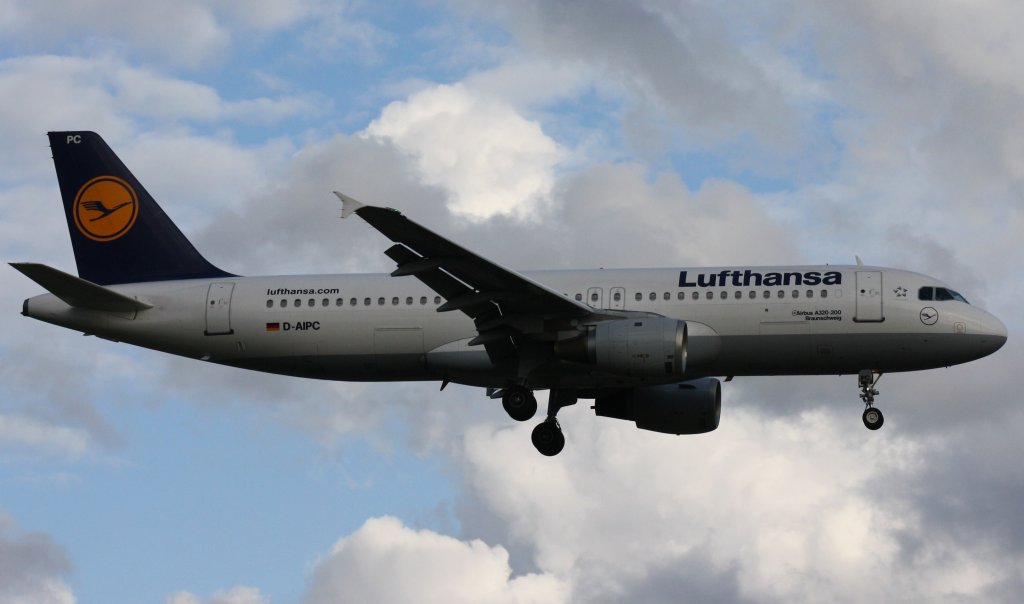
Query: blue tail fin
118	232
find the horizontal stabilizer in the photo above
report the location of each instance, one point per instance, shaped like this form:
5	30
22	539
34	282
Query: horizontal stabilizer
78	292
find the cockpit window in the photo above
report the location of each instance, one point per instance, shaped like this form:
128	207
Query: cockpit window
940	294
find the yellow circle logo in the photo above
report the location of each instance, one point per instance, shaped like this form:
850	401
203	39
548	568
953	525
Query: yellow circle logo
106	208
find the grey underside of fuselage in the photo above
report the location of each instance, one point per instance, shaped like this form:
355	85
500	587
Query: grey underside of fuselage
824	354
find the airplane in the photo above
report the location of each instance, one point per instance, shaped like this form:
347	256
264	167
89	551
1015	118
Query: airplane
646	345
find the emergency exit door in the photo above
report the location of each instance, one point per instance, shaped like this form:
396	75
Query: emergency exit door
869	297
218	309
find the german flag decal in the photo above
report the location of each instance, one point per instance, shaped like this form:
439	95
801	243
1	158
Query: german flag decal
273	327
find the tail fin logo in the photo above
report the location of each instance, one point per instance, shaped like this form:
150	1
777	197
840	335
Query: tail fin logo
106	208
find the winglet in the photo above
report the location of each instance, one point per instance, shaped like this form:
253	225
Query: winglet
859	261
348	205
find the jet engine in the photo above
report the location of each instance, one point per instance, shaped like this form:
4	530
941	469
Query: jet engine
648	347
691	407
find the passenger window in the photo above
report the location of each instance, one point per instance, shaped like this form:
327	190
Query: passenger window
723	295
781	294
752	294
824	293
667	296
695	296
579	297
380	301
593	297
408	301
681	295
339	302
639	296
796	293
767	294
437	299
423	299
810	293
653	296
394	301
325	302
298	303
312	302
284	303
617	296
710	295
353	301
738	294
926	293
270	303
366	302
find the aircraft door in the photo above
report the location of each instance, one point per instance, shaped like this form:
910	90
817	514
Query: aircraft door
618	298
218	309
869	297
595	297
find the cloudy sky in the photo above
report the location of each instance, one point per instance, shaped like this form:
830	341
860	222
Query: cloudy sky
543	134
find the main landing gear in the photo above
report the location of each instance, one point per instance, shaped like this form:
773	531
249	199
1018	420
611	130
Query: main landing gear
521	405
547	437
872	417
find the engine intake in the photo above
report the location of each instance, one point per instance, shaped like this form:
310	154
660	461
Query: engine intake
692	407
648	347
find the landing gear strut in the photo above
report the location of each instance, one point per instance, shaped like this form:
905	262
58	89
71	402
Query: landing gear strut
547	436
872	417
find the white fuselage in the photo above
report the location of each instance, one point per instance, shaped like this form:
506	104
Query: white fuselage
373	327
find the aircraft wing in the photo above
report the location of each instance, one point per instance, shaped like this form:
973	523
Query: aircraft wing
502	302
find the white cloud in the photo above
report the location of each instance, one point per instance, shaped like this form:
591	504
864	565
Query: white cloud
780	509
19	432
46	93
236	595
183	33
678	62
488	157
386	562
31	568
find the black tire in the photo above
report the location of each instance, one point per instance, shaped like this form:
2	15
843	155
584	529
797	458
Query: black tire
873	418
519	403
548	438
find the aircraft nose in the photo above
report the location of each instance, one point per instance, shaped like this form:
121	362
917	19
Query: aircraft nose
996	332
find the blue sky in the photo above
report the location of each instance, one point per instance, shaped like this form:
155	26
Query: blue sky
604	134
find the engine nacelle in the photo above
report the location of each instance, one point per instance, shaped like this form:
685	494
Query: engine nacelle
648	347
692	407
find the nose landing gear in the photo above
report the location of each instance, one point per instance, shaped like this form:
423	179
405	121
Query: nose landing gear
872	416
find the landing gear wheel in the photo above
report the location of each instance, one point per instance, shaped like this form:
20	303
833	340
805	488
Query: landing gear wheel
519	403
867	380
873	418
548	437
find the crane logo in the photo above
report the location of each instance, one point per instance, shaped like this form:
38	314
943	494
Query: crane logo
929	316
106	208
